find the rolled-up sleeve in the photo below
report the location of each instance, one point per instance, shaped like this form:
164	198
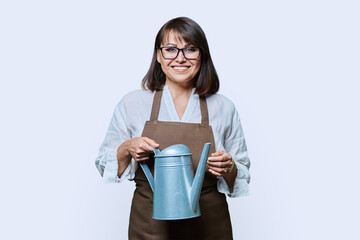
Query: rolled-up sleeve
235	145
117	133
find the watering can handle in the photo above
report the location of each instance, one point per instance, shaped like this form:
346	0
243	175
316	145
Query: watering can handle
156	150
147	171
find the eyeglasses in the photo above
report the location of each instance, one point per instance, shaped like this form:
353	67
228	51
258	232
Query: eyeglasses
170	53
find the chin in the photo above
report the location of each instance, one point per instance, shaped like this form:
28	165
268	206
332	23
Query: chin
180	80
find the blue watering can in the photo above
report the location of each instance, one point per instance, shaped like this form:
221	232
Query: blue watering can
176	190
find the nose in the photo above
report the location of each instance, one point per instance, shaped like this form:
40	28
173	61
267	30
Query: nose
181	58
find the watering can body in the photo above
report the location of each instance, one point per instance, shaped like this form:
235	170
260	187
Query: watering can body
176	188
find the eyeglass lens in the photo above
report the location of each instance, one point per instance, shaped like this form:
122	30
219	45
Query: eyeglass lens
189	52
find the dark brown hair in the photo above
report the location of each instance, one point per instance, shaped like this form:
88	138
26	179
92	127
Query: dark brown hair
206	80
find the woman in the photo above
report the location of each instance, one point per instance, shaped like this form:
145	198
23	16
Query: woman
179	97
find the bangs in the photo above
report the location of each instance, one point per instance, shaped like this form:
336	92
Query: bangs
182	37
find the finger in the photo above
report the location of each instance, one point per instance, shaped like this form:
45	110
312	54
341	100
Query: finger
144	152
141	155
142	158
226	164
215	159
214	172
217	153
151	142
218	170
222	158
145	147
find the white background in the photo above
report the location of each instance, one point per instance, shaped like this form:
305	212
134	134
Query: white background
290	67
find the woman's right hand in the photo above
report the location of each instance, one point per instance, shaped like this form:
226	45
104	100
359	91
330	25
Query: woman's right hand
139	148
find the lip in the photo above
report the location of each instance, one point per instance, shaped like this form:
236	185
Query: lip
181	70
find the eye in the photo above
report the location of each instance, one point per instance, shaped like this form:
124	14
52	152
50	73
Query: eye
191	49
170	49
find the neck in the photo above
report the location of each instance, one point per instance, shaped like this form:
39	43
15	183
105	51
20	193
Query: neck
178	90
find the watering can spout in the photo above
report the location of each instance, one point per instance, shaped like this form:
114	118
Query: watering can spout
199	177
147	171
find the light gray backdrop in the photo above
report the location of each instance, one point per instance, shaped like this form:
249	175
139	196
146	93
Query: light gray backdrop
290	67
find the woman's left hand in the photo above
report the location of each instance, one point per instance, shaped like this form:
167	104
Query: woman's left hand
219	163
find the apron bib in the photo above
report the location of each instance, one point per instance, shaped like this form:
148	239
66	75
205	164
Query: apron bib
214	222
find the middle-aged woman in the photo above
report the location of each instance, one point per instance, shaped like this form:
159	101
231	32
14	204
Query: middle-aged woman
178	105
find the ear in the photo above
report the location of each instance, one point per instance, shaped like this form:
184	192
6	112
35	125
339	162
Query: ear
158	57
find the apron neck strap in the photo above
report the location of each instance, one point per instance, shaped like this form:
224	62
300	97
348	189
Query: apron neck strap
204	111
156	104
157	101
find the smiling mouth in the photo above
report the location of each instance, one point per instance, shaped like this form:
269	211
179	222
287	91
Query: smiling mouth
180	68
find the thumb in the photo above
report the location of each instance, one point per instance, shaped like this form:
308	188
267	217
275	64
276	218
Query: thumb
217	153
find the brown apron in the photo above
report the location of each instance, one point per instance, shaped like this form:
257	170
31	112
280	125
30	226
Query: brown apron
214	222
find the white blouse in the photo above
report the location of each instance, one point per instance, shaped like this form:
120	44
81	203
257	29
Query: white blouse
134	110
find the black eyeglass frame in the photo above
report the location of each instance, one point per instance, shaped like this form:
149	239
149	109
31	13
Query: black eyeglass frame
179	49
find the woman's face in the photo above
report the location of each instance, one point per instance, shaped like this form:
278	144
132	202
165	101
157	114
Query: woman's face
180	70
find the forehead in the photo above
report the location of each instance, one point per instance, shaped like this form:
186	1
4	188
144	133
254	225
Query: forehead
173	36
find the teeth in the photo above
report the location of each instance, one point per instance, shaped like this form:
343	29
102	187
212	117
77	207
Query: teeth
180	67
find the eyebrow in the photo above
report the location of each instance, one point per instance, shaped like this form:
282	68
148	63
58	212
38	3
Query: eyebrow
187	45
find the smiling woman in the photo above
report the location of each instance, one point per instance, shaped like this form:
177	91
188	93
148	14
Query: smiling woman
181	43
178	104
178	69
179	62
